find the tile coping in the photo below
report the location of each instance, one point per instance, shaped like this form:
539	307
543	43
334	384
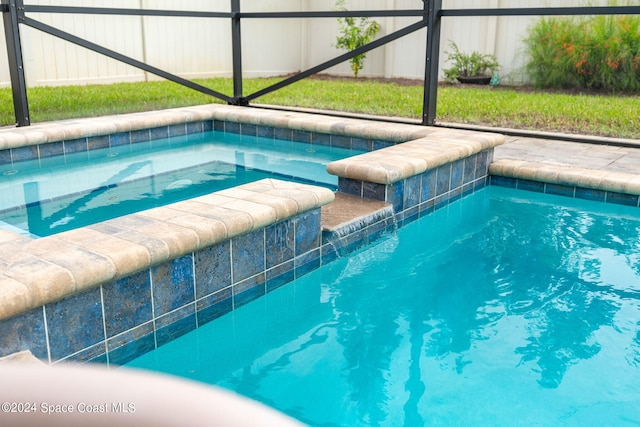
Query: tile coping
42	133
396	163
35	272
619	182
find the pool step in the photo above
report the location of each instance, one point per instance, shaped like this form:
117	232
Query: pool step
350	222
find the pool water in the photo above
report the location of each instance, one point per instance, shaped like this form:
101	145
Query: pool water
43	197
505	308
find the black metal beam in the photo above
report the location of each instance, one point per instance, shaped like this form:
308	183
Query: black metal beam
434	20
337	60
236	51
122	58
13	14
335	14
544	11
123	11
203	14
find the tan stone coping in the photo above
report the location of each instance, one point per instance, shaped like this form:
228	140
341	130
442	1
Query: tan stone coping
395	163
34	272
562	174
12	137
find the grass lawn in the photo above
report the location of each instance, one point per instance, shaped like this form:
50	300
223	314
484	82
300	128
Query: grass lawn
590	114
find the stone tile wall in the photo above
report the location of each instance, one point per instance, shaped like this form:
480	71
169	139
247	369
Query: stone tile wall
119	320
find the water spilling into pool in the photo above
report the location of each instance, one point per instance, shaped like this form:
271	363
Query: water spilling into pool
505	308
43	197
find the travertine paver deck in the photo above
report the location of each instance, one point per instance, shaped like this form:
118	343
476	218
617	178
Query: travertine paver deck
586	165
576	154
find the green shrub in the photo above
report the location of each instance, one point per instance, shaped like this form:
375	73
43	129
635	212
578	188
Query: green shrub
472	64
601	52
355	33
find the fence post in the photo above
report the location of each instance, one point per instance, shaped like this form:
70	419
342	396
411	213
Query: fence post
12	15
432	10
236	47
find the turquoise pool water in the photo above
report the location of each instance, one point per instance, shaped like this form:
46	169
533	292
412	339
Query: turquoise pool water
506	308
43	197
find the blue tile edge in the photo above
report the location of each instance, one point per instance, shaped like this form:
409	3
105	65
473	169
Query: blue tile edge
566	190
60	148
117	322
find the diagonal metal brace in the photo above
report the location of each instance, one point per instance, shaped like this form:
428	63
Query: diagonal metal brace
122	58
345	57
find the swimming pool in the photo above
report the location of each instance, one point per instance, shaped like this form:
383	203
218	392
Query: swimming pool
504	308
50	195
110	291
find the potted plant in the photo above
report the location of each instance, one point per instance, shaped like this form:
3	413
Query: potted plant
470	68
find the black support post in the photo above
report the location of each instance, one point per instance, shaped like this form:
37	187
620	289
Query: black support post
432	10
236	47
12	15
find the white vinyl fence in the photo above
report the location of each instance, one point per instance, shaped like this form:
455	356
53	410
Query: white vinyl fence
201	47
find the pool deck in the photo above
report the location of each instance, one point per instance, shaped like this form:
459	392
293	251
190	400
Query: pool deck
571	154
608	168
